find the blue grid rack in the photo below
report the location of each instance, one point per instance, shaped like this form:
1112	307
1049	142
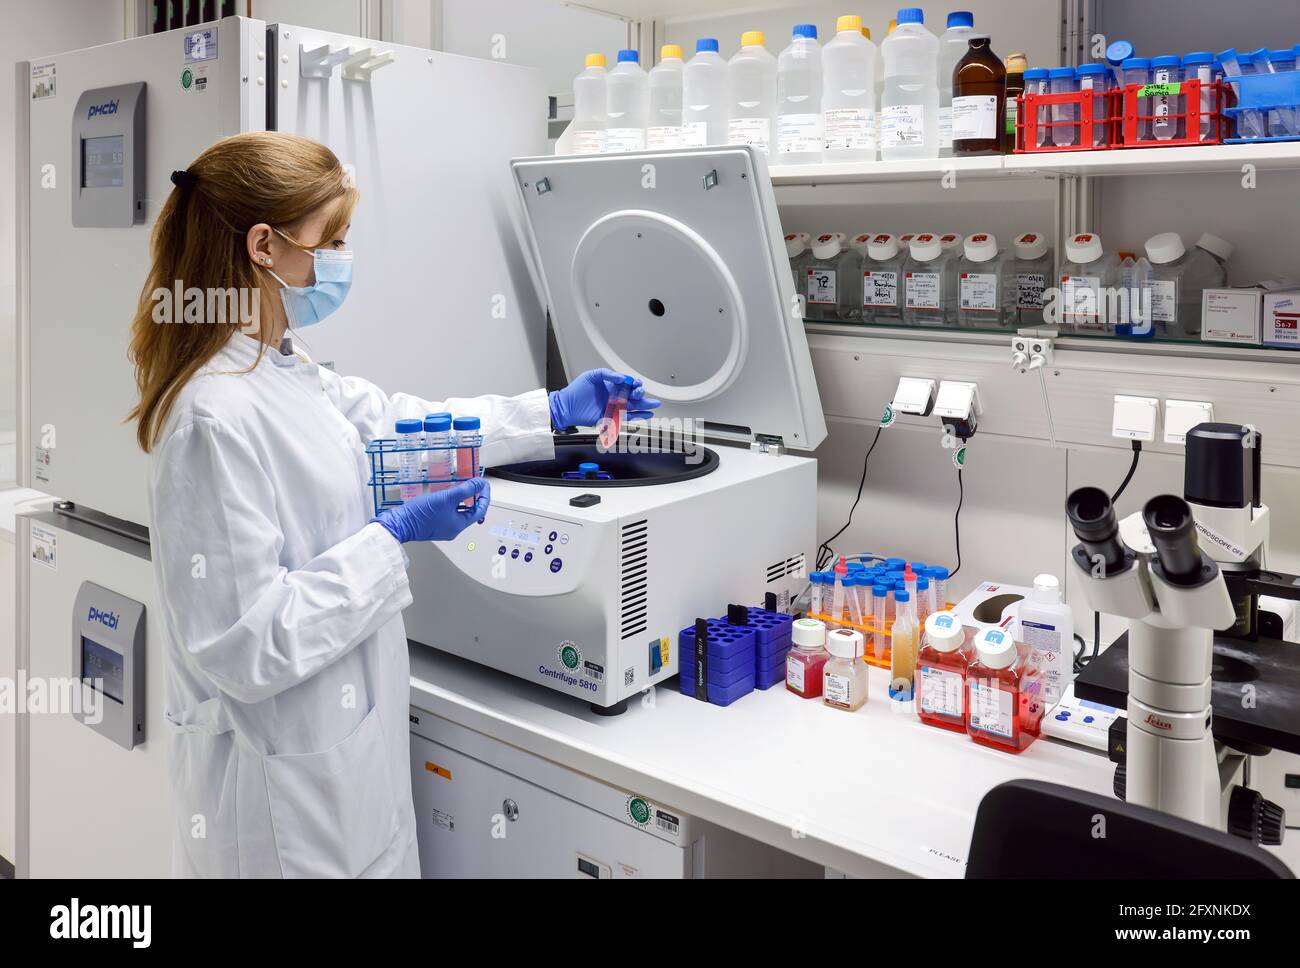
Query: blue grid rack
386	480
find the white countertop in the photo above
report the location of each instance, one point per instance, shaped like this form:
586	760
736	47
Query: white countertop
870	790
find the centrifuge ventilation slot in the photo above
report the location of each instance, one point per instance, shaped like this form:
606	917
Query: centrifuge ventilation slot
786	567
634	578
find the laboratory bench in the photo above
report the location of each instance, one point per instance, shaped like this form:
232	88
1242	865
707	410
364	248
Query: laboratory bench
870	793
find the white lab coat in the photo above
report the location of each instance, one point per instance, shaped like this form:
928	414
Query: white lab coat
287	676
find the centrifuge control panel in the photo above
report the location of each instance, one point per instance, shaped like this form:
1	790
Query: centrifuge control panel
526	553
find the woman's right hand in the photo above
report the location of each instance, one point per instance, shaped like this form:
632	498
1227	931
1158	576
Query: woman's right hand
438	516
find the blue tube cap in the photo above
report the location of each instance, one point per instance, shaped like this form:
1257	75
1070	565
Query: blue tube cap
1136	64
466	423
901	596
805	30
706	45
910	15
1036	74
629	57
1057	73
437	423
1198	57
1119	52
939	572
1086	70
1166	61
879	590
410	426
958	18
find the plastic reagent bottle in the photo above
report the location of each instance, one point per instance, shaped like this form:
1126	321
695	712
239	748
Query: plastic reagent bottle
909	103
664	127
1047	629
928	290
1175	298
797	248
941	673
1085	276
751	94
844	677
439	464
627	104
410	438
953	46
1024	279
833	278
979	101
882	279
979	281
849	94
800	136
903	648
705	113
805	661
589	95
469	438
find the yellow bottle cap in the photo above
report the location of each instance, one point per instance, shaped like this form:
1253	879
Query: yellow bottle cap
595	60
1017	63
670	50
849	23
866	32
893	25
752	38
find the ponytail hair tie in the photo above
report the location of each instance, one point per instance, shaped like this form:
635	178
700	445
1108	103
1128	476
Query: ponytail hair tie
184	180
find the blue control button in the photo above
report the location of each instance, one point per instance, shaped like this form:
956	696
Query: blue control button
528	556
515	553
553	535
556	564
502	551
549	548
1062	716
1088	719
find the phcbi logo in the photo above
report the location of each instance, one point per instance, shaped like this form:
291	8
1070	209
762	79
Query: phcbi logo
99	110
106	619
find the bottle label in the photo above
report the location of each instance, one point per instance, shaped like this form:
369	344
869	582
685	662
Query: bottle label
941	691
799	134
1013	113
794	673
750	131
1164	300
837	689
979	292
974	117
661	137
588	142
945	127
1049	656
1030	287
922	290
695	134
990	707
821	286
880	289
619	140
902	126
850	129
1081	300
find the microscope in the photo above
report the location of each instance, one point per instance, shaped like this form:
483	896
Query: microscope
1182	570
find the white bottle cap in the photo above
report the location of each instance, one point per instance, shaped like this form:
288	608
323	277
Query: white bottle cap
809	633
844	643
861	242
995	648
1084	248
1030	246
1165	247
981	247
949	240
925	247
1047	590
944	631
883	246
796	243
828	246
1215	246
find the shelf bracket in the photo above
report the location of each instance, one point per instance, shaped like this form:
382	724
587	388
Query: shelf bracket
365	62
321	61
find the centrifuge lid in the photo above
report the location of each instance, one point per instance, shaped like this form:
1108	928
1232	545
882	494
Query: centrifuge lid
672	266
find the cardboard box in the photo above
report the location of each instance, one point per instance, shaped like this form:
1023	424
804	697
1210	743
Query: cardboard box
1281	318
1232	315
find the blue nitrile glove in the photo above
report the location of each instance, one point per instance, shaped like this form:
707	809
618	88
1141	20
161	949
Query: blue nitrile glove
437	516
582	402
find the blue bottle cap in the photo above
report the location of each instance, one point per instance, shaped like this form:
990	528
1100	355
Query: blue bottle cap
879	590
1119	52
939	572
910	15
629	57
1036	74
895	562
922	583
901	596
1136	64
588	468
1087	70
437	423
958	18
805	30
1059	72
466	423
440	413
1198	57
706	44
1166	60
410	426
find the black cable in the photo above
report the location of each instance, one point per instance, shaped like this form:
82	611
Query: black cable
1132	468
1082	660
824	552
956	522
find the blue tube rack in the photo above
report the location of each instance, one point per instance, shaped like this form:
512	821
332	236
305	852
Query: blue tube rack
384	478
1263	93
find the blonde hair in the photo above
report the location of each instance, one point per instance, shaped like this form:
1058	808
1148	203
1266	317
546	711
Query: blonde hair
200	240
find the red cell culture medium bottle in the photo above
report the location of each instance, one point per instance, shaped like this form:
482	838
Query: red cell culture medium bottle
1001	694
807	658
941	670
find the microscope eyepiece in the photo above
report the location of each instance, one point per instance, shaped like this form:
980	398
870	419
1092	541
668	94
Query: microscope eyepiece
1173	532
1093	518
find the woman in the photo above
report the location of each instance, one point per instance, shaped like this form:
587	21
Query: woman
281	596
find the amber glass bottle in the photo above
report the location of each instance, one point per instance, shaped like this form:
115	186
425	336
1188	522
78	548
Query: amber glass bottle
979	101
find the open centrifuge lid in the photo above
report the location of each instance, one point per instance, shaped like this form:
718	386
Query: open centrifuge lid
671	266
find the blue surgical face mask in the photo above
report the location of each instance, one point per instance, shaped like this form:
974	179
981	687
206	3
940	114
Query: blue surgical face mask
308	305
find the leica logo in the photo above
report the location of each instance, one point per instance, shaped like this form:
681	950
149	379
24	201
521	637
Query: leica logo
1154	720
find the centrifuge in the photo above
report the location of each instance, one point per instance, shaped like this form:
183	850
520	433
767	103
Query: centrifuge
669	266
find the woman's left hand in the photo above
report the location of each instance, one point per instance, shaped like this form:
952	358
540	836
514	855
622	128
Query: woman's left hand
582	402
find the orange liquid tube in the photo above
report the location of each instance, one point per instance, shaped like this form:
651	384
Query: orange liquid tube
611	424
469	438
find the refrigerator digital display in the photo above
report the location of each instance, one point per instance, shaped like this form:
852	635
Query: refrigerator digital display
102	663
103	161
